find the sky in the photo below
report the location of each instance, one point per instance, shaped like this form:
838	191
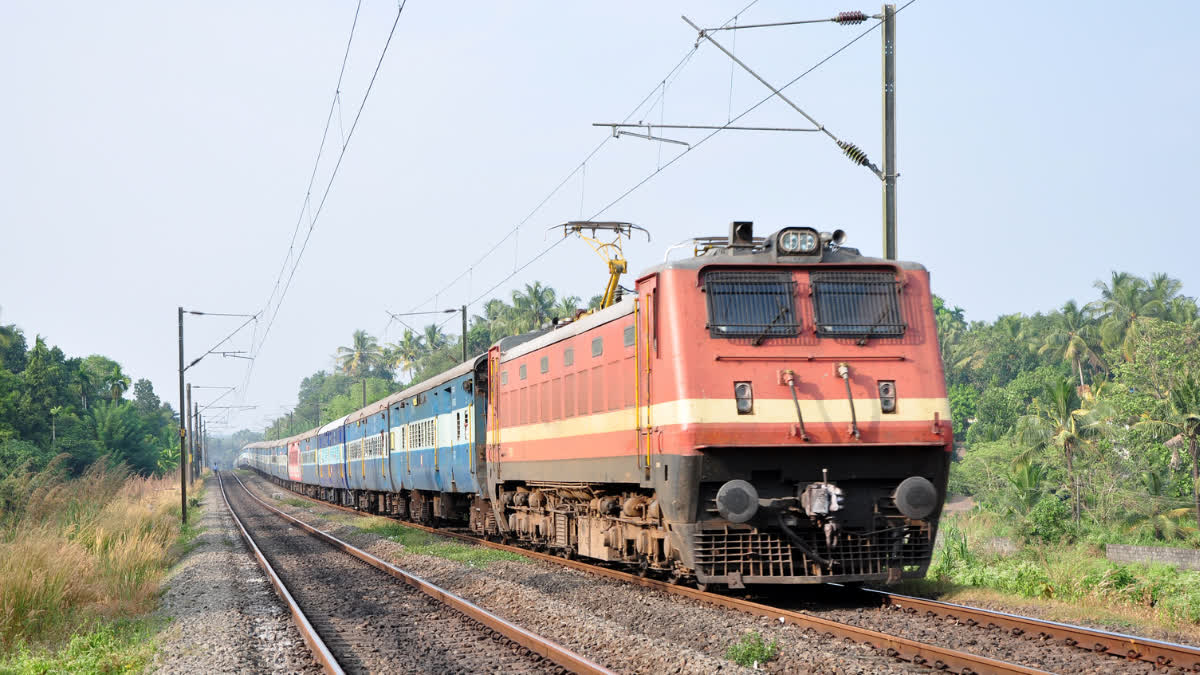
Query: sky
158	154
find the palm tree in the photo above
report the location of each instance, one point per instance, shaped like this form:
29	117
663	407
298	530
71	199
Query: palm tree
83	376
1072	338
117	383
1156	516
362	356
567	307
405	353
433	338
1058	421
533	307
1127	298
1026	478
1183	418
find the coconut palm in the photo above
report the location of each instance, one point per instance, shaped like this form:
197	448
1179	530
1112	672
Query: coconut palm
567	307
1183	418
1072	338
1127	298
405	353
433	338
361	356
83	377
1058	421
533	307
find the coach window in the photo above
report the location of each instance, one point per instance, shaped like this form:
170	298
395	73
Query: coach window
569	357
597	346
545	364
521	371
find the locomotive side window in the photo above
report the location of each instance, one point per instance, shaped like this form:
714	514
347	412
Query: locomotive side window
755	305
857	304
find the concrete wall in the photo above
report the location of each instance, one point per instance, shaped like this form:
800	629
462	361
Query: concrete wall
1186	558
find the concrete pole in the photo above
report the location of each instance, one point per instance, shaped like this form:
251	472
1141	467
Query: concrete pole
889	132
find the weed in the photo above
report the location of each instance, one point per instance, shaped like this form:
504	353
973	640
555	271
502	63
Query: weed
423	543
296	502
110	647
751	650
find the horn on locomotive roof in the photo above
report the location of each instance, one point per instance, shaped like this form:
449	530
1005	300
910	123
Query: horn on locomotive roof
610	251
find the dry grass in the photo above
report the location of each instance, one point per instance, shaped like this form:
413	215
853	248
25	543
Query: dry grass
74	553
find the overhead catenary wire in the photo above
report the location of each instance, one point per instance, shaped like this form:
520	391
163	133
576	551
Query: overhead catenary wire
745	112
328	186
659	88
335	101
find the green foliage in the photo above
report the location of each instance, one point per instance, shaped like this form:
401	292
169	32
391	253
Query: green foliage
121	646
1050	520
52	405
752	650
423	543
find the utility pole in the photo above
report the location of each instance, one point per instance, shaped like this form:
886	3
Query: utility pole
191	431
364	392
195	442
889	132
464	333
182	429
290	432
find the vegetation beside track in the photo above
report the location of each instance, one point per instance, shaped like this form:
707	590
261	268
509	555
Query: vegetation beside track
81	560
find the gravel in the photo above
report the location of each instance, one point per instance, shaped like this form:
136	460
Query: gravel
626	628
225	615
371	621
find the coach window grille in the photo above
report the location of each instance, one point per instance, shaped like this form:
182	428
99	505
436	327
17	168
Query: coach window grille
857	304
753	305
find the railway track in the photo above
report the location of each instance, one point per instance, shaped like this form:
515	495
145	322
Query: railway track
358	613
1112	647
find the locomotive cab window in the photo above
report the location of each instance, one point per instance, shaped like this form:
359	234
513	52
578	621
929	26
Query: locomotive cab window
857	304
755	305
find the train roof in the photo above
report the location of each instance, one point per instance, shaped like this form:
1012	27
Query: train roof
762	252
419	388
330	426
585	323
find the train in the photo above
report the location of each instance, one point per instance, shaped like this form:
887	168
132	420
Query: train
770	410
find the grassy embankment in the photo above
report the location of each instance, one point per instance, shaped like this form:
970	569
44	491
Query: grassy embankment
80	565
983	558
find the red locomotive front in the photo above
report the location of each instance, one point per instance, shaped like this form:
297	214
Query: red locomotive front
772	410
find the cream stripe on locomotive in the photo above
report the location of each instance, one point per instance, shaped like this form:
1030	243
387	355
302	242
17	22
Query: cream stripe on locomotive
724	411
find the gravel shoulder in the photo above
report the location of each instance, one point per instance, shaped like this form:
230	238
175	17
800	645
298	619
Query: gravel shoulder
625	628
225	617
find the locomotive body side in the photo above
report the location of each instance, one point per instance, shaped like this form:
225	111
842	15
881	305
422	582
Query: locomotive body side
622	436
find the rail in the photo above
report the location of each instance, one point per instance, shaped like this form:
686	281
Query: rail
315	644
531	641
932	656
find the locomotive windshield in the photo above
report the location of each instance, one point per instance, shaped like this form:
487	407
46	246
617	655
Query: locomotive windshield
857	304
753	305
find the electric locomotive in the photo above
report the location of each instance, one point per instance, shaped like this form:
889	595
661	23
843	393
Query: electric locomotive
771	410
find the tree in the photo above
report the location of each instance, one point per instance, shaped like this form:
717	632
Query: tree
144	398
403	355
533	307
567	307
1072	338
1184	418
1058	421
433	338
362	356
117	382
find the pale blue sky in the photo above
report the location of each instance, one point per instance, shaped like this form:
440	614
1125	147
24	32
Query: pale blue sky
156	154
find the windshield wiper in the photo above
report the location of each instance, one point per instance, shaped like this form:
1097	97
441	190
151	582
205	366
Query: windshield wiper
763	335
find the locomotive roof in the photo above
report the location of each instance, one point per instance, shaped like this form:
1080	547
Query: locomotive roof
764	254
550	336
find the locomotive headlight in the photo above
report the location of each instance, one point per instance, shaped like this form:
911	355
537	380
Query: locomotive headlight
799	240
743	395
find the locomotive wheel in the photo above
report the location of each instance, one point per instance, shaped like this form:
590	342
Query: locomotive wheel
703	588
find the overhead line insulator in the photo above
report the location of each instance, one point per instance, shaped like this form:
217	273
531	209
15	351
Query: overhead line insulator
849	18
856	154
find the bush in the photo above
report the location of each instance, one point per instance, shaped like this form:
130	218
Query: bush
1050	520
751	650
